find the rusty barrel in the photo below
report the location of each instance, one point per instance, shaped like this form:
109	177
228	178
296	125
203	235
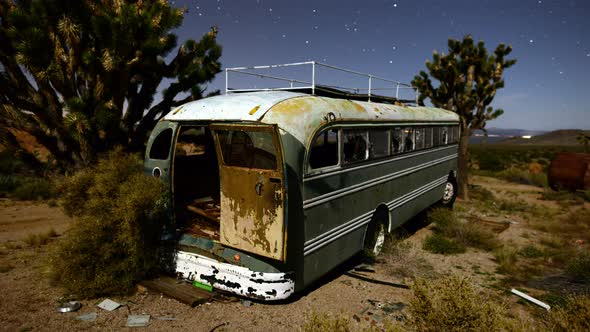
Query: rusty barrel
570	171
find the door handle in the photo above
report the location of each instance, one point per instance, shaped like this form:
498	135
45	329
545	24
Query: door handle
275	180
258	188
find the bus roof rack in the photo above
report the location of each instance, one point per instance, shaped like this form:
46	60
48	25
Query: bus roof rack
320	88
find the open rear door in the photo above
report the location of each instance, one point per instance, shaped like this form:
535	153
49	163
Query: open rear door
252	188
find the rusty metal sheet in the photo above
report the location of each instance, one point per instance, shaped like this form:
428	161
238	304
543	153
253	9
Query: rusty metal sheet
252	202
570	171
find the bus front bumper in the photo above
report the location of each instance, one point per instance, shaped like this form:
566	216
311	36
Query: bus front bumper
233	278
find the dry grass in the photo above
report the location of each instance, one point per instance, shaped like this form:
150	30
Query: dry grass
40	239
573	316
403	260
453	235
579	267
323	322
5	267
506	257
456	304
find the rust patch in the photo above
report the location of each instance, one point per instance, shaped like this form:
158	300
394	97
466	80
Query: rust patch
251	218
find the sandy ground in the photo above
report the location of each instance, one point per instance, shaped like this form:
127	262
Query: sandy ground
28	301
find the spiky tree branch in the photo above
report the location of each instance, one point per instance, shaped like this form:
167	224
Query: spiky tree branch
467	80
81	75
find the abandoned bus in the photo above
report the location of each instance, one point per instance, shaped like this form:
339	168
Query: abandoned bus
272	189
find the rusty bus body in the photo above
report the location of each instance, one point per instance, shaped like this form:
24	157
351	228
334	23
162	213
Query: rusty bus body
273	189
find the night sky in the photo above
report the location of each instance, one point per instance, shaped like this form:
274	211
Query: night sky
547	89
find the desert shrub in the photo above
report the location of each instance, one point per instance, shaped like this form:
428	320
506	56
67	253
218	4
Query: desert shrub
506	258
322	322
8	183
455	304
573	198
114	240
480	193
33	188
531	251
523	176
439	244
515	205
579	267
40	239
5	267
464	233
573	316
403	260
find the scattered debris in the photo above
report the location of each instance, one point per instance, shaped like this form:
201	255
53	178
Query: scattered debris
246	303
391	307
179	290
137	320
164	318
109	305
69	306
218	326
531	299
89	317
364	268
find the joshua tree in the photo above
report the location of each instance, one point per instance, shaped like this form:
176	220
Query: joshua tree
468	78
81	76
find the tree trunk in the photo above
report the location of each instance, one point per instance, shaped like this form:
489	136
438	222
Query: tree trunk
463	176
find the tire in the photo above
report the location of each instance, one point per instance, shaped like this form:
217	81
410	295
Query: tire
375	236
449	193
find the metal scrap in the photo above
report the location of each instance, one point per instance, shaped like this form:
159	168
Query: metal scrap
109	305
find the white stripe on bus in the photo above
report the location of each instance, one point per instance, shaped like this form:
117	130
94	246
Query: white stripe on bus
352	225
367	184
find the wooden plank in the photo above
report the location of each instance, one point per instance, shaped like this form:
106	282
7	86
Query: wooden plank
202	213
181	291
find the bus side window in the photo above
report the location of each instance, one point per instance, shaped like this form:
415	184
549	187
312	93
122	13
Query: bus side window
355	145
419	139
436	136
408	139
397	140
379	139
427	137
444	135
324	150
161	147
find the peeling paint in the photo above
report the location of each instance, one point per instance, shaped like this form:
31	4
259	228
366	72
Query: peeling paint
235	279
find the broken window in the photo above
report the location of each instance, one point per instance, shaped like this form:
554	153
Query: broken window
419	139
324	150
427	137
192	141
436	136
397	140
408	134
444	136
161	146
379	139
355	145
252	149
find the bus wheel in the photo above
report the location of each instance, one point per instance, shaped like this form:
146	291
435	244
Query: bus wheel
449	194
375	237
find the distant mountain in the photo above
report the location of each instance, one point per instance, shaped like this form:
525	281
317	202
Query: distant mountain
496	135
558	137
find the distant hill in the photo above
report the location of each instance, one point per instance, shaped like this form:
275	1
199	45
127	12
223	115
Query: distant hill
495	135
558	137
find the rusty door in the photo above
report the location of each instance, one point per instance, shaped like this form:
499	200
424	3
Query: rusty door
252	188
